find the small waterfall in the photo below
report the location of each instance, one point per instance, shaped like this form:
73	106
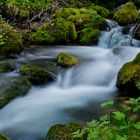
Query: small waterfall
77	89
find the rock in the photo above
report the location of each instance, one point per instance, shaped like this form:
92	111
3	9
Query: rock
89	36
12	87
129	77
10	40
100	10
63	132
2	137
137	33
7	66
57	31
127	14
36	75
66	60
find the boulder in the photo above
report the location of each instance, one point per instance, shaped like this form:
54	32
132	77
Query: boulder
127	14
12	87
57	31
63	132
128	79
66	60
10	40
7	66
36	75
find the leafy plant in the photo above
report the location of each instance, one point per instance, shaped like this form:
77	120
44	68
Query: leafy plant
119	127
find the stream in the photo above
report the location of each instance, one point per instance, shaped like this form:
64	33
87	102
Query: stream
78	91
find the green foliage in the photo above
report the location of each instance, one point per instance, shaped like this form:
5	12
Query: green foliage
66	60
2	137
120	127
26	7
127	14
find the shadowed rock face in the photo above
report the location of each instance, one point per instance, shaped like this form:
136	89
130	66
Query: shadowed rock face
129	77
11	88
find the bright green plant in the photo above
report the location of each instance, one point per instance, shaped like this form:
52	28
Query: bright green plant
119	127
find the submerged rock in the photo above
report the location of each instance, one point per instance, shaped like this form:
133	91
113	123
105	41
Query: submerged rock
2	137
12	87
127	14
10	40
63	132
128	79
36	75
66	60
7	66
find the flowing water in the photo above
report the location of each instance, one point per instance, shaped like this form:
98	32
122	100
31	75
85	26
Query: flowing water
78	91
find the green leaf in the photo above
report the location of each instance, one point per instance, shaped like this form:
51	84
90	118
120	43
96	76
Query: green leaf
108	103
119	116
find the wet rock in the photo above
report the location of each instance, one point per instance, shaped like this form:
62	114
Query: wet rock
7	66
63	132
36	75
128	79
12	87
66	60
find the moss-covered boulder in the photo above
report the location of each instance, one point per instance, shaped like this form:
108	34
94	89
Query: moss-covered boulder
127	14
100	10
82	18
66	60
36	75
57	31
89	36
63	132
7	66
2	137
12	87
129	77
10	40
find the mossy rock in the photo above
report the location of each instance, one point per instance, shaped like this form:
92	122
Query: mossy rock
10	40
12	87
36	75
127	14
57	31
89	36
100	10
66	60
129	77
2	137
82	18
63	132
7	66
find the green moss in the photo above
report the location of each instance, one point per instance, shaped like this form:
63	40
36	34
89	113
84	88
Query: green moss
12	87
7	66
127	14
129	76
66	60
11	43
89	36
82	18
100	10
2	137
58	31
63	132
36	75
